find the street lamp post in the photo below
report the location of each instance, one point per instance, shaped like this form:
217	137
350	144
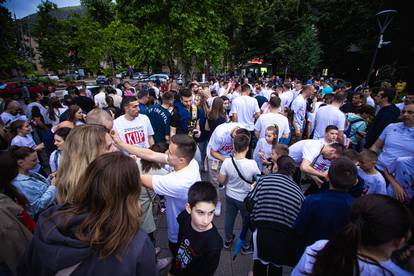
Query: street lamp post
388	15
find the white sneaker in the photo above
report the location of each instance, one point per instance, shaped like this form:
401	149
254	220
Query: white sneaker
163	263
217	211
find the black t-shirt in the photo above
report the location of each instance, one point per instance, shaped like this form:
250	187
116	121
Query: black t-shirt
198	252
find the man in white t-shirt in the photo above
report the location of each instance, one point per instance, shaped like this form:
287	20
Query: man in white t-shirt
297	88
395	141
151	85
330	115
305	152
219	148
132	127
272	118
299	109
175	185
245	109
11	113
286	97
99	98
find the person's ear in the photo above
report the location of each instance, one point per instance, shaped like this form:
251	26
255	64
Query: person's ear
188	208
20	163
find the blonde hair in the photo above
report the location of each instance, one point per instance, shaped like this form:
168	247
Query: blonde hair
82	146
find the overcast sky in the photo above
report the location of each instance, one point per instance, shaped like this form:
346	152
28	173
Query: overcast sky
23	8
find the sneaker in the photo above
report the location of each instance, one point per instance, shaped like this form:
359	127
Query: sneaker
163	263
221	187
246	250
157	251
217	211
228	243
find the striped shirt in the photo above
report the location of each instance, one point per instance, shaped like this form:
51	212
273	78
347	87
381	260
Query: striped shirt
277	199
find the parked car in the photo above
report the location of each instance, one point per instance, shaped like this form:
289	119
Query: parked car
101	79
15	90
157	78
73	75
51	77
121	75
139	76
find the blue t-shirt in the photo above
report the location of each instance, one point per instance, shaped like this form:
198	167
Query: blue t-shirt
160	121
322	215
143	109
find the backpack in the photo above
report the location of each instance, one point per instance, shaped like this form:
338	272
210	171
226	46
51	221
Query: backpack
347	132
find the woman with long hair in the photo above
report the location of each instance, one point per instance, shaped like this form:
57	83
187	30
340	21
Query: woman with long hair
378	226
81	147
98	232
15	237
76	118
55	109
217	115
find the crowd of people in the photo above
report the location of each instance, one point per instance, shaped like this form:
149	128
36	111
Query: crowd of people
321	174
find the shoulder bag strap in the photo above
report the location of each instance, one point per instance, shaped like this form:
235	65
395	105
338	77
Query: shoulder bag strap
238	172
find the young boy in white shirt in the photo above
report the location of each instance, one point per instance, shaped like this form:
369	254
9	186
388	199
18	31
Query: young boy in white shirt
238	173
374	181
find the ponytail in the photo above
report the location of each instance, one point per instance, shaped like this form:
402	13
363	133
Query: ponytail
375	220
340	253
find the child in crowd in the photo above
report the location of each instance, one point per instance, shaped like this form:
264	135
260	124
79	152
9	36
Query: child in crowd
21	131
39	191
263	150
331	135
379	225
147	198
60	137
374	181
199	242
323	214
278	150
358	189
238	172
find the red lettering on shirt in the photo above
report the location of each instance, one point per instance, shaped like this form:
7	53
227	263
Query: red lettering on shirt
135	137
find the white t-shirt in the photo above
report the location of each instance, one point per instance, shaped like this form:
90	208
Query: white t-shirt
271	119
265	148
237	188
398	142
245	107
374	183
23	141
135	132
8	118
174	186
325	116
100	100
367	268
403	170
221	140
286	99
370	101
299	108
305	149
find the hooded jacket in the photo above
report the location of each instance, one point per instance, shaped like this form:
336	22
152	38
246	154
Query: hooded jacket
55	247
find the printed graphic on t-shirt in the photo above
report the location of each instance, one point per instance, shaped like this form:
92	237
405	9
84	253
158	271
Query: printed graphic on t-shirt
134	135
185	255
226	149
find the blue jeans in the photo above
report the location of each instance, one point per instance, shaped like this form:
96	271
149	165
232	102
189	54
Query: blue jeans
232	208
